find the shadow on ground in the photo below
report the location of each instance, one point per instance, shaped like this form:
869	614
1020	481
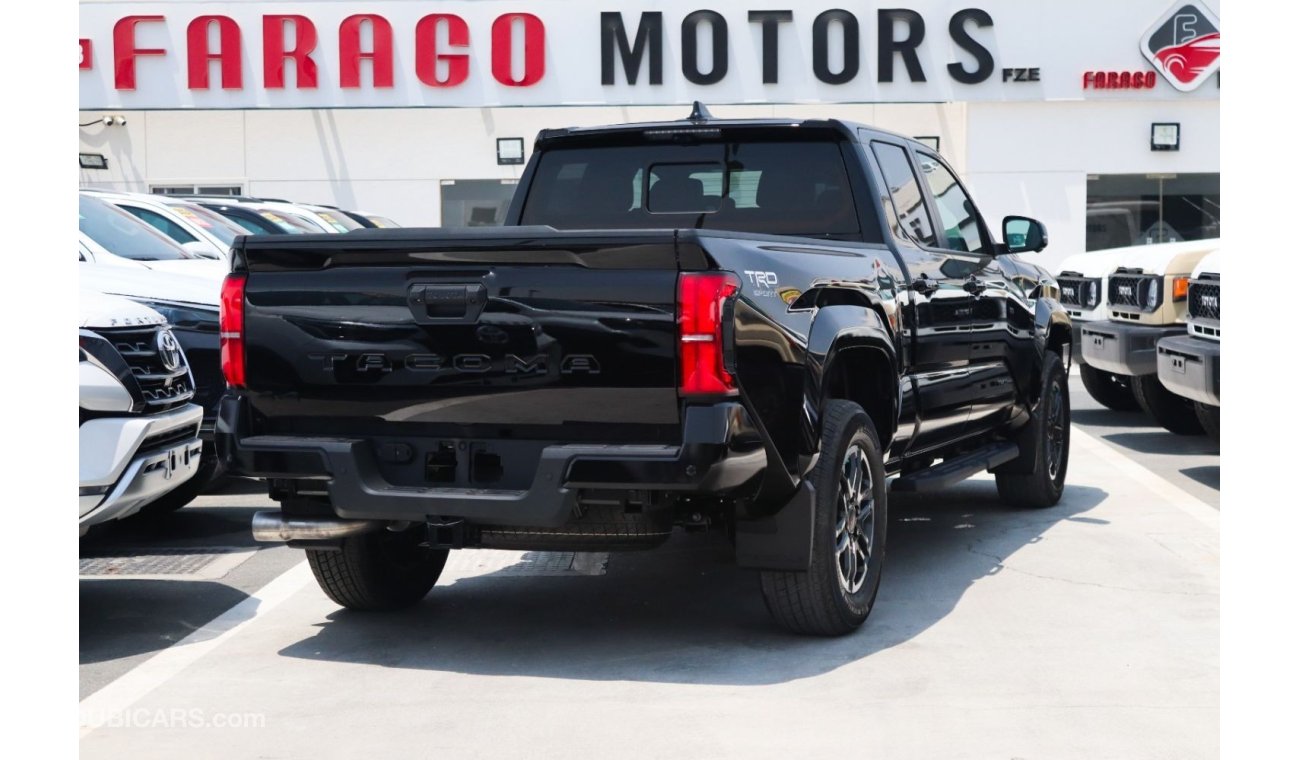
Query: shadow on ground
1161	441
684	614
1206	476
125	617
1102	417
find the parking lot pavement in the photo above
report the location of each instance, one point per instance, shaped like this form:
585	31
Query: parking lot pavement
1190	462
1087	630
127	616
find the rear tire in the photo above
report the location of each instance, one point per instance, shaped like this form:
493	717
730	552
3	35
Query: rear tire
1108	389
378	571
1208	416
1036	479
835	595
1171	411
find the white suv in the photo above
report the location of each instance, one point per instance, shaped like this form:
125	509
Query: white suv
139	431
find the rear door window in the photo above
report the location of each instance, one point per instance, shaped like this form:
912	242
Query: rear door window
905	192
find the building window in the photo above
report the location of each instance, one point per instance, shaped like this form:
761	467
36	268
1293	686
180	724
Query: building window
1142	209
476	202
196	189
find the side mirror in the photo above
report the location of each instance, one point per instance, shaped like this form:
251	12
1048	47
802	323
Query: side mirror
202	250
1023	234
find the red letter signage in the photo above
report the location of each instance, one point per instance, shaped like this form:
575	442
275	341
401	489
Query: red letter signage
125	51
380	54
427	55
534	49
201	57
274	52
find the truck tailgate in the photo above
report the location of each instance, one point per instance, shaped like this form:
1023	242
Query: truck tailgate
493	333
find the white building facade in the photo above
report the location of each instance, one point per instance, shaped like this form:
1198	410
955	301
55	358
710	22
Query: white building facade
1101	119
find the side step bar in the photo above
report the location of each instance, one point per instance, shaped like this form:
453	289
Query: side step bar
950	472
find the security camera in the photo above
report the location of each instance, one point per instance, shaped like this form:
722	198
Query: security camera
119	121
108	121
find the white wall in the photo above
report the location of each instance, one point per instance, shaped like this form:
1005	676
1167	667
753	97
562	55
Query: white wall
390	161
1019	158
1034	158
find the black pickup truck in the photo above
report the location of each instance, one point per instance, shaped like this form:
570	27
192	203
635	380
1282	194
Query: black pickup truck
745	325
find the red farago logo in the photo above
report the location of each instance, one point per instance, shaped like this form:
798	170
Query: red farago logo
1184	45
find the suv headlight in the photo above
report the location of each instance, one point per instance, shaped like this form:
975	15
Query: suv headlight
1092	294
1151	295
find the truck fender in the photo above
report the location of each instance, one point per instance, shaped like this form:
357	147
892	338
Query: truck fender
1052	331
838	332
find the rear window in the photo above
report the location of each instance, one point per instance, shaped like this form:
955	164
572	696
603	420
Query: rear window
783	188
122	234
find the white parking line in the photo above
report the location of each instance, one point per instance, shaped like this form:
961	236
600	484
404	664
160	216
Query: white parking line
1168	492
114	699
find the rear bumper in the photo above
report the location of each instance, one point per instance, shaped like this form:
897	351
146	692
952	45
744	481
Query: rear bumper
1190	367
721	450
1124	349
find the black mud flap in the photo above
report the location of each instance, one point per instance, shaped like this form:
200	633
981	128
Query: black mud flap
782	541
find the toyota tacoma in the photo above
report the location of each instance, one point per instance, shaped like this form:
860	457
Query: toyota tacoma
741	324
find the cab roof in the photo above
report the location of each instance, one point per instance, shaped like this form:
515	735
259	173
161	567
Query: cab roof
705	125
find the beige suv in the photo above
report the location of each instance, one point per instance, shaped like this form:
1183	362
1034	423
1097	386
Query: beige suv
1146	300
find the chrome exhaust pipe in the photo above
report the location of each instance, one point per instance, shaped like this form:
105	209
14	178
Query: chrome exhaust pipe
272	527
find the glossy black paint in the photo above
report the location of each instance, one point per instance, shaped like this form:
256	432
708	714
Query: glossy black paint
540	338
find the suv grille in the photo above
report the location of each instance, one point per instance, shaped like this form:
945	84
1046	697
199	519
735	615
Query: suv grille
1125	291
1203	300
170	438
160	387
1074	290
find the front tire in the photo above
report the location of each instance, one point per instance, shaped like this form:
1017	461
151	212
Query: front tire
1171	411
1036	479
1209	419
381	570
835	595
1108	389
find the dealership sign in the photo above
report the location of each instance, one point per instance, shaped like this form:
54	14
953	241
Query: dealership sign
404	53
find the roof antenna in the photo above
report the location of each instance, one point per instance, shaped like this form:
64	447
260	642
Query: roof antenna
699	113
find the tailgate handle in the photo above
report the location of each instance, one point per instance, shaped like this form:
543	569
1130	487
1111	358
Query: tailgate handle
446	303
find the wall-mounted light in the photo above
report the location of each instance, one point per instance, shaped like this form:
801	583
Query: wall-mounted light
93	160
107	121
510	150
932	141
1166	136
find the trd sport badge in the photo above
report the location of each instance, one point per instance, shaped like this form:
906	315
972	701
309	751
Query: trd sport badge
1184	45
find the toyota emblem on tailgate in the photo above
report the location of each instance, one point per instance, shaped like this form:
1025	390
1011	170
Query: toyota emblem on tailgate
169	351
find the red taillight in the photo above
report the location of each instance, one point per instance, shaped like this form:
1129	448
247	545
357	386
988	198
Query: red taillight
232	329
701	298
